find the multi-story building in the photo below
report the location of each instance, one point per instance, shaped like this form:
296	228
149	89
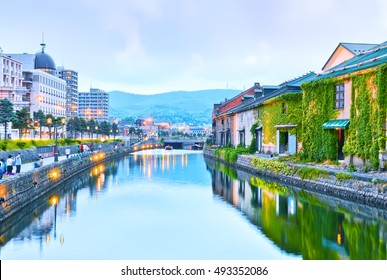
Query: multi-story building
93	105
71	78
11	82
47	92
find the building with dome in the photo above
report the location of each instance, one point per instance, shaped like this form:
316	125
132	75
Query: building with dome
47	92
43	89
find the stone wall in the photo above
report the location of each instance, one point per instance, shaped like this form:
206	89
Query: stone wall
357	190
22	189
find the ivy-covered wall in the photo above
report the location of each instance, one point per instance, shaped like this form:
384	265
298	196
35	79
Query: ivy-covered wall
318	107
272	114
365	136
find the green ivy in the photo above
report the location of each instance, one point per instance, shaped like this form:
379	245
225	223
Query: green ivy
318	106
366	132
381	102
230	154
272	114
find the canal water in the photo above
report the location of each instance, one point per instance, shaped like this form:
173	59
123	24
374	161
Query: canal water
175	205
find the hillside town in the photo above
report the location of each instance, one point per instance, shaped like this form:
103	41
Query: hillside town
338	115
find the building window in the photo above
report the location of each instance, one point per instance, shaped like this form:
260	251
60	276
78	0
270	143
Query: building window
339	97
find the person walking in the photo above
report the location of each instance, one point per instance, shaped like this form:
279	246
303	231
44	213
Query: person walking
3	168
18	163
41	161
67	152
10	165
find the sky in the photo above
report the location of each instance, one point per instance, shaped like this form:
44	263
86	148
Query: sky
156	46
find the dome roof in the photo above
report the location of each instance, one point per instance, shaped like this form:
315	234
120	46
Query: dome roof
43	60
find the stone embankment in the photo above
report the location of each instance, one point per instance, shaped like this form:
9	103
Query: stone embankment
21	189
359	189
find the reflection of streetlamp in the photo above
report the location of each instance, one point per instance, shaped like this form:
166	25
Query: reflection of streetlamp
54	201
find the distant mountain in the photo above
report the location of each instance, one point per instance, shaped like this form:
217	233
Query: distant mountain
191	107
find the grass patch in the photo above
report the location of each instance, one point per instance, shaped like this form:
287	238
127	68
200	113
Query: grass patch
311	173
341	176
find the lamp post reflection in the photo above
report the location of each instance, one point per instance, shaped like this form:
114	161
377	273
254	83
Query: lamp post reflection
54	201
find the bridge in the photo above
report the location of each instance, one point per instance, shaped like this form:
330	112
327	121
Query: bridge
185	144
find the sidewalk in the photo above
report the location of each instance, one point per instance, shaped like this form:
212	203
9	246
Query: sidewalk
30	165
369	176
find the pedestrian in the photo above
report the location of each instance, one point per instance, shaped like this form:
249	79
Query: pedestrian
79	149
67	152
10	163
3	168
37	163
40	161
18	163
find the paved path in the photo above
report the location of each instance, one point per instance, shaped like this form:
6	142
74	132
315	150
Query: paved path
369	176
30	165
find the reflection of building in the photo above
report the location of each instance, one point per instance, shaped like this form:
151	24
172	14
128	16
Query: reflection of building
94	105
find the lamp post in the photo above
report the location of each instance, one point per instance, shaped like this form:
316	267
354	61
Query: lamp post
55	122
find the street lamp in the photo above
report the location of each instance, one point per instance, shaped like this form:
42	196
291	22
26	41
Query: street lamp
55	122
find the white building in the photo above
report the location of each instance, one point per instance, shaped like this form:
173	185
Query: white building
94	105
47	92
71	78
11	87
11	82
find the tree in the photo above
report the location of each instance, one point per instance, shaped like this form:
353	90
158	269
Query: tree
104	128
90	124
41	119
70	126
49	122
6	114
82	125
22	121
132	130
114	129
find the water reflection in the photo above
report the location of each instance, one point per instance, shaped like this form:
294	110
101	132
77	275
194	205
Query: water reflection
39	220
302	223
45	221
173	205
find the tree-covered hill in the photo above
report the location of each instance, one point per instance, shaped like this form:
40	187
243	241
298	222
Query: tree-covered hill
191	107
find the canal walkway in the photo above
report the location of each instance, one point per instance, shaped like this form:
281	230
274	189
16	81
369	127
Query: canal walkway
334	169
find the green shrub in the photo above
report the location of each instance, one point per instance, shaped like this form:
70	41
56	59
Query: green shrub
311	173
3	145
341	176
351	167
21	145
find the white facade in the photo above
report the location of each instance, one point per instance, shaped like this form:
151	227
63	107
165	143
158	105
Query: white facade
94	105
48	94
11	87
243	122
11	82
